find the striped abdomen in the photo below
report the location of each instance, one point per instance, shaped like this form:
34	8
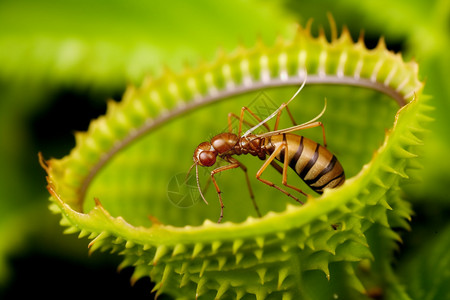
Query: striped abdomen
315	165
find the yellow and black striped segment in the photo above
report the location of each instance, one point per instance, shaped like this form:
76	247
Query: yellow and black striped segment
314	164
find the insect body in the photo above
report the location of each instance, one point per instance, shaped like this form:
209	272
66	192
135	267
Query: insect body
317	166
313	163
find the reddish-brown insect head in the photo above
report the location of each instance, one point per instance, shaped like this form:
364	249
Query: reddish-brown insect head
205	154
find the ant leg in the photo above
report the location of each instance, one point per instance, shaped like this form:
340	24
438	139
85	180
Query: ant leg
282	172
323	133
309	125
243	109
206	187
266	164
219	192
315	124
291	116
277	167
232	115
252	196
285	166
282	106
241	120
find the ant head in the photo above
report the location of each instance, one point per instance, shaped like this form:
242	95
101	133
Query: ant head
205	155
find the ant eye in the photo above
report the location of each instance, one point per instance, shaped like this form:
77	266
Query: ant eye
207	158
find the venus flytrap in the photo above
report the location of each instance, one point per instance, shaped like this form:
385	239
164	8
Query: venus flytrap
286	252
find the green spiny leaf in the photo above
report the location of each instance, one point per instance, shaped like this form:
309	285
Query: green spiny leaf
178	249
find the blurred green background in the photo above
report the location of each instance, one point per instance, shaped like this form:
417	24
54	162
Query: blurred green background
61	60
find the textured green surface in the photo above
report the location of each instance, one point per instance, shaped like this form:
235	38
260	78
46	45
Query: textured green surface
61	61
293	251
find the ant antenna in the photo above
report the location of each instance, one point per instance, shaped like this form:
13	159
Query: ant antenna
198	184
189	172
276	111
198	181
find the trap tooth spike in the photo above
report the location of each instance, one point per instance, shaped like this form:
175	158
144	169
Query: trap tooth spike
127	262
98	238
379	182
261	274
198	247
389	169
258	254
179	249
129	244
287	296
65	222
165	277
185	279
424	118
261	294
221	261
284	247
70	230
138	273
260	241
281	235
201	287
237	244
239	256
282	275
381	46
240	293
410	139
301	246
159	253
215	246
401	152
83	233
205	265
385	204
224	287
184	267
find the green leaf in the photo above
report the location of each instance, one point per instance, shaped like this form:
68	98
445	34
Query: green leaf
108	44
128	156
425	273
92	50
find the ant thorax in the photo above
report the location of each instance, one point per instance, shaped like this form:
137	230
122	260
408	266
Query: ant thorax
224	142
